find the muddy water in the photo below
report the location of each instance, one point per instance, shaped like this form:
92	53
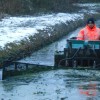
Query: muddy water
53	85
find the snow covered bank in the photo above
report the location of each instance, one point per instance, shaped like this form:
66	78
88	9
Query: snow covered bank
14	29
17	28
89	8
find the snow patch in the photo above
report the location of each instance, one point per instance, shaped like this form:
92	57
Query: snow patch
91	7
17	28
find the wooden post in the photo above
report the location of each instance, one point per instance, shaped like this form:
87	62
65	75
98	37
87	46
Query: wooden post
3	70
26	66
1	74
94	64
15	65
74	64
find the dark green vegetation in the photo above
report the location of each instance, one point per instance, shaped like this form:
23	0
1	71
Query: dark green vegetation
33	69
34	6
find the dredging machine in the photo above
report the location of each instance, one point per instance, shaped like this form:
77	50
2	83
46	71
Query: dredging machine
79	53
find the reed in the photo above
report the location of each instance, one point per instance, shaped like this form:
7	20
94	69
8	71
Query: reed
20	7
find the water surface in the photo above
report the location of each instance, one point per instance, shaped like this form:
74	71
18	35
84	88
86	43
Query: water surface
53	85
